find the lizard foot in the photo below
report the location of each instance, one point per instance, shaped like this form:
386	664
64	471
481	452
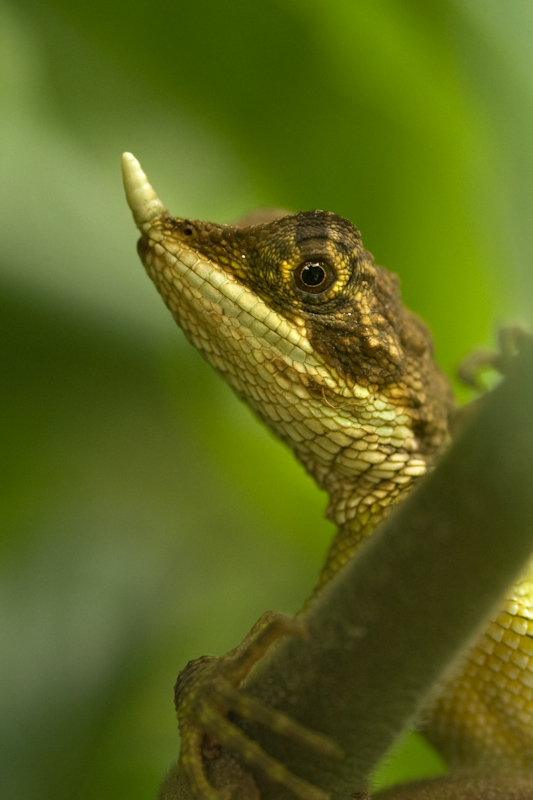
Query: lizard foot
208	689
510	340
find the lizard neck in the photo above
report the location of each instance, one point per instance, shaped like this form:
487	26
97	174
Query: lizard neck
358	506
366	450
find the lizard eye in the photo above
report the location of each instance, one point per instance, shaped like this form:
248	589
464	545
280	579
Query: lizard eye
314	277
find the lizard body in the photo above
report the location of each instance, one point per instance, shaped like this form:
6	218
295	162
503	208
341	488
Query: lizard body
314	337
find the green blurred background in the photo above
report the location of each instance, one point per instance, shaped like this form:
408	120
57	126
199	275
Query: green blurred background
146	518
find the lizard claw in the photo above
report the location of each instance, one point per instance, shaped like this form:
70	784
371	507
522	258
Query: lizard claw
511	338
208	689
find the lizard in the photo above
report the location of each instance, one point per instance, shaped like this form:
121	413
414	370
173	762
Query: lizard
313	335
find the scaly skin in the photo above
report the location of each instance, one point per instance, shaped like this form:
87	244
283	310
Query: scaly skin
312	334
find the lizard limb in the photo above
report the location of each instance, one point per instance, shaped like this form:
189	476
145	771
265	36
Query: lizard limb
510	340
208	690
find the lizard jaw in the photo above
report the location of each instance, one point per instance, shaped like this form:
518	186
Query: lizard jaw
141	197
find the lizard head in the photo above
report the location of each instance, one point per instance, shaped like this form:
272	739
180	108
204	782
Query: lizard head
298	318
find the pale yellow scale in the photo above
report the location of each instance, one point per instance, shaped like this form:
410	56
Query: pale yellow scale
484	717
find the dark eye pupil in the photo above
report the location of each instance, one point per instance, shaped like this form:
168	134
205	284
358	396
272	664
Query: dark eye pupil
314	277
312	274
